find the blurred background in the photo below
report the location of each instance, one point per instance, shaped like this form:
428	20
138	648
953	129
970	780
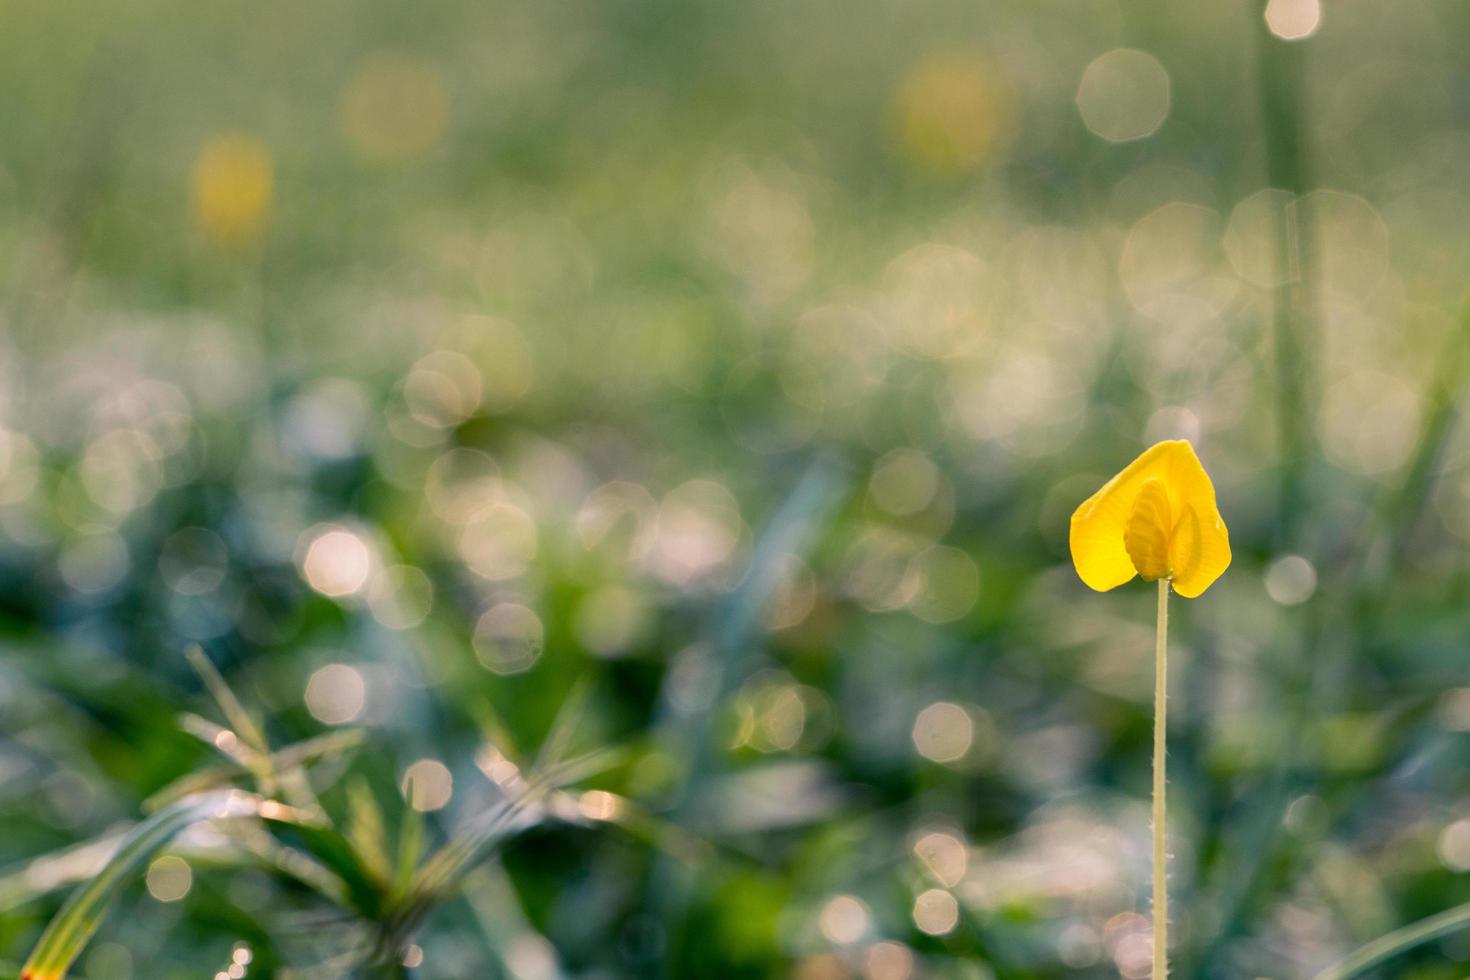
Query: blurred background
741	364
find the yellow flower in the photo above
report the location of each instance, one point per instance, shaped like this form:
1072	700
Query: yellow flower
233	187
954	111
1156	519
395	108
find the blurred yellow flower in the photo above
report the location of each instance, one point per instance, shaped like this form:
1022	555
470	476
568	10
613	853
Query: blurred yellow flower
954	111
1156	519
233	187
395	108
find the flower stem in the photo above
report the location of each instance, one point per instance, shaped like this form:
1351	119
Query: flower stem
1161	854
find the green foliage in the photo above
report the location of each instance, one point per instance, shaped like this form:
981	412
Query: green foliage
655	424
79	918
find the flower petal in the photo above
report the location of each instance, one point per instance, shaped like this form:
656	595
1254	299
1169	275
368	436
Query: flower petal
1214	559
1200	549
1199	545
1098	525
1148	533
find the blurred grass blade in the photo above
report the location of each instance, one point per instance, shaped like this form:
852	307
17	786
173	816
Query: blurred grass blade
328	846
1399	941
800	517
293	863
1283	111
52	871
292	759
448	866
233	710
365	829
733	637
68	932
497	908
564	726
669	838
219	738
494	730
1436	424
245	728
318	749
301	753
247	743
410	844
458	857
1346	618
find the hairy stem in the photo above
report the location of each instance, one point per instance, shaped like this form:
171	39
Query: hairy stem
1161	853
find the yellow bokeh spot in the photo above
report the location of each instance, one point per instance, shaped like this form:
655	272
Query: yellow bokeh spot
1158	519
233	186
954	111
395	108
